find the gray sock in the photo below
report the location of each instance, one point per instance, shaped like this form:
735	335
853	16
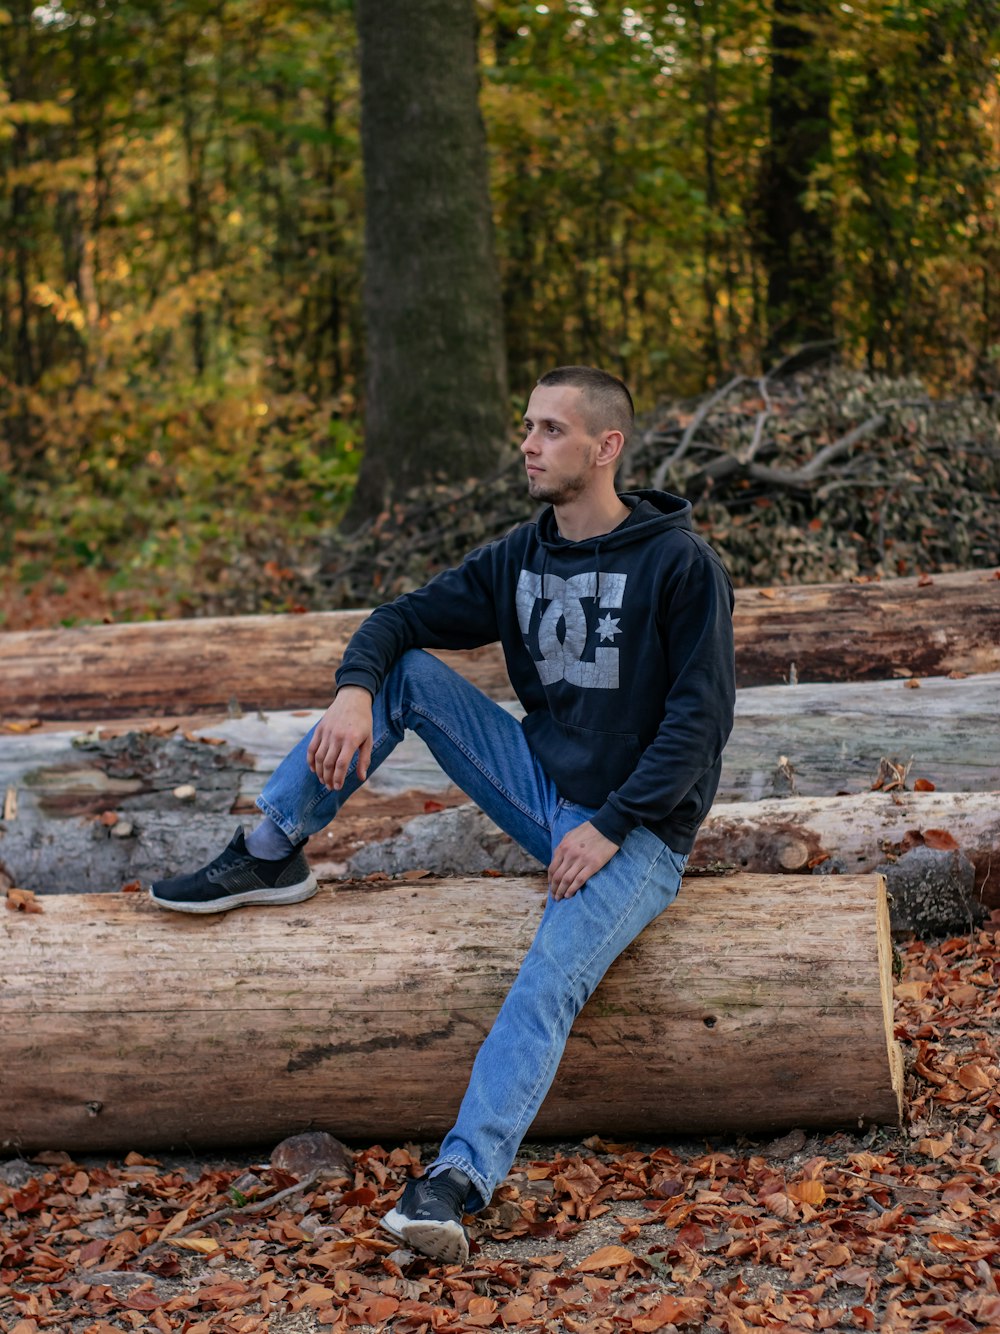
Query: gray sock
268	842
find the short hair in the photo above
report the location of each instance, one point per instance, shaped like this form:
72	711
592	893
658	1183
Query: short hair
608	404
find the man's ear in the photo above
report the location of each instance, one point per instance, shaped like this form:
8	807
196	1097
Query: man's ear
610	448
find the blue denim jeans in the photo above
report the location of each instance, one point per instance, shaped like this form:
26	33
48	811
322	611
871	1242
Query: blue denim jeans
482	749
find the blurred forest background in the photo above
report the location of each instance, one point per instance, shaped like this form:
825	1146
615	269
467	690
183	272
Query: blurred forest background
681	192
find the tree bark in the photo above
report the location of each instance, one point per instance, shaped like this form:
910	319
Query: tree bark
825	632
797	235
436	398
773	1011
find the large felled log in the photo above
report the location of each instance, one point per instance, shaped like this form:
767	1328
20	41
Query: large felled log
754	1004
831	737
830	632
793	834
781	836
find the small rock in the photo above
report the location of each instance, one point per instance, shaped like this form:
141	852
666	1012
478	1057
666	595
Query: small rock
787	1146
314	1151
123	829
17	1172
186	792
932	893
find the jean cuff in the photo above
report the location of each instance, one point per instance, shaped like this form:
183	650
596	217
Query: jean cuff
275	816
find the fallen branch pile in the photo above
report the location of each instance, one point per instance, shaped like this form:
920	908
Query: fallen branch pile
821	475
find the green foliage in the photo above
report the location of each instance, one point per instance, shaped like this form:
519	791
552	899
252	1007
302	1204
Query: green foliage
181	209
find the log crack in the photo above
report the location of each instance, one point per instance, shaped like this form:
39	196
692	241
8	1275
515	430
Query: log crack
313	1056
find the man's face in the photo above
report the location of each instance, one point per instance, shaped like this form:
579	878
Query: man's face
559	448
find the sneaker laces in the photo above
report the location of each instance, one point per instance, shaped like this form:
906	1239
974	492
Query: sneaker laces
444	1186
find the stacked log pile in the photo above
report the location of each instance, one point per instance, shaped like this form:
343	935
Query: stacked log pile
895	738
852	772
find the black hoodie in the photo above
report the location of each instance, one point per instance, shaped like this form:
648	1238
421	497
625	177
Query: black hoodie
619	647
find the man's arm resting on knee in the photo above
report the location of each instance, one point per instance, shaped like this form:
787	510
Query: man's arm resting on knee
343	731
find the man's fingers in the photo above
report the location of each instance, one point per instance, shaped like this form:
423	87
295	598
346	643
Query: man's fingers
365	757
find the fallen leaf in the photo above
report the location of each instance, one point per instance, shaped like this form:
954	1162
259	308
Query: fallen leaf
23	900
766	593
911	684
607	1257
807	1192
668	1311
940	839
20	724
923	785
205	1245
934	1147
974	1078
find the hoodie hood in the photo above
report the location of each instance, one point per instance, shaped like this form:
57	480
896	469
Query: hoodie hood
652	513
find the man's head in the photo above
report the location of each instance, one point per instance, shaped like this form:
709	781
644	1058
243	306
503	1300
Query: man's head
576	425
607	403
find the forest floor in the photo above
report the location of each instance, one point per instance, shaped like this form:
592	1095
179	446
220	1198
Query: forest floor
883	1228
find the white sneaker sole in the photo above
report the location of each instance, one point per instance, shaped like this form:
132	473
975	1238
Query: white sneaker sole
440	1241
305	889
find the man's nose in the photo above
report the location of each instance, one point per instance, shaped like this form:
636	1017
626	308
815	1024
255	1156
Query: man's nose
529	445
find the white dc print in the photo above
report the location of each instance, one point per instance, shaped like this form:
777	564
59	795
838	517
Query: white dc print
562	657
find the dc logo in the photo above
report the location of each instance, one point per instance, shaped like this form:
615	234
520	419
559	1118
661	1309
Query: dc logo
563	629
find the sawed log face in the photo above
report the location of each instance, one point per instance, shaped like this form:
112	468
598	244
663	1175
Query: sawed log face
754	1004
831	632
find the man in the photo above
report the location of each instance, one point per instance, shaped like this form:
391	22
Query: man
616	625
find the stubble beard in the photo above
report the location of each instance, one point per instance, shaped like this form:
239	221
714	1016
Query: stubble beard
568	489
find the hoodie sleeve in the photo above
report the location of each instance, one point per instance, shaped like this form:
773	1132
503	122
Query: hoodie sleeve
698	713
457	609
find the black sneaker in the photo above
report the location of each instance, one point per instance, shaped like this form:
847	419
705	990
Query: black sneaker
428	1216
235	879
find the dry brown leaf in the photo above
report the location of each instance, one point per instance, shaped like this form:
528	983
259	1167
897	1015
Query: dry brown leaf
974	1077
924	785
23	900
17	725
607	1257
807	1192
668	1311
940	839
204	1245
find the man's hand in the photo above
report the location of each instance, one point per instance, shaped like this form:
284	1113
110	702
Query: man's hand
344	729
581	853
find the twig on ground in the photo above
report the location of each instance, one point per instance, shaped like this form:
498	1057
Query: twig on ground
261	1207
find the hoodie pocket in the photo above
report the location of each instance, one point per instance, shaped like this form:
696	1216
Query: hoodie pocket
584	764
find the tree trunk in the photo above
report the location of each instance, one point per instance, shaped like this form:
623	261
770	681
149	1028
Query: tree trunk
822	632
773	1011
797	241
436	401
